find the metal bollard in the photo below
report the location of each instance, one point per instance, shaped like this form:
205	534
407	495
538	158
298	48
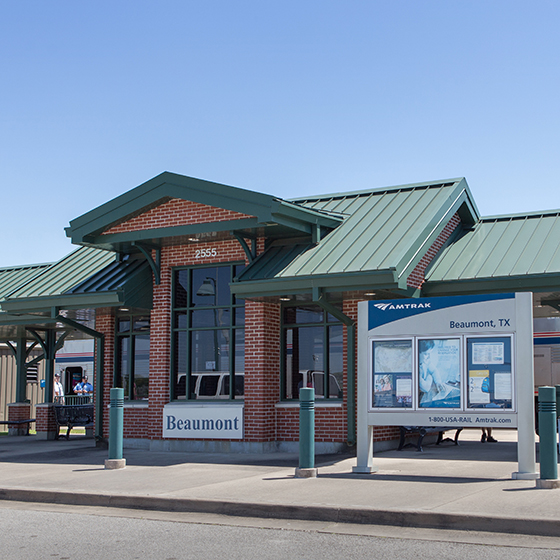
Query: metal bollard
116	415
557	387
306	434
548	452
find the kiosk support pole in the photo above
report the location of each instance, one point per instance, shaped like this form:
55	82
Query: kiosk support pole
548	452
306	434
116	415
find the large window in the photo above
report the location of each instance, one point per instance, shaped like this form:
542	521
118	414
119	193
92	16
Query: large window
313	357
133	356
208	334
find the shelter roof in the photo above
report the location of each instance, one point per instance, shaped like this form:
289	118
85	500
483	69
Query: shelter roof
14	277
86	278
384	234
500	253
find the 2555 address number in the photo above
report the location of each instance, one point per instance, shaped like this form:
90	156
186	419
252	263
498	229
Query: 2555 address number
205	253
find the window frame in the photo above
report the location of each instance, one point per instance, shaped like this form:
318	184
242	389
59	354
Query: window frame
232	327
131	334
326	323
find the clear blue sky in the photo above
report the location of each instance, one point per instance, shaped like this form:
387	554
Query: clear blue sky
283	97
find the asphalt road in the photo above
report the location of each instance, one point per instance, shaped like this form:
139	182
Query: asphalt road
40	531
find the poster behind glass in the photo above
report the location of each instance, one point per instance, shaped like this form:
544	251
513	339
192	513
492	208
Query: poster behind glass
489	372
392	374
439	373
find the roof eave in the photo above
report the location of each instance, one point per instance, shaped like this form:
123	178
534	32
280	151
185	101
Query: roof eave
340	282
64	301
547	282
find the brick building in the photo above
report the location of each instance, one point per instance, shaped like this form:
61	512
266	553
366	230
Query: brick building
212	305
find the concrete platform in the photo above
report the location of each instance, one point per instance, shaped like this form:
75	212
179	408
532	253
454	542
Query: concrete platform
467	487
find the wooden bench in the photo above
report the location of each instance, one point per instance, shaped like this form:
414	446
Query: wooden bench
72	415
423	431
18	423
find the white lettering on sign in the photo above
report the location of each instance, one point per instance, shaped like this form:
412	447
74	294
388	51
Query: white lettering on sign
204	253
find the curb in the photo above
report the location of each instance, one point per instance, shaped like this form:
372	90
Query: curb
333	514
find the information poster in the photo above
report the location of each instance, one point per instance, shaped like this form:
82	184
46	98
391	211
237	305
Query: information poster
489	372
439	379
479	386
488	353
392	374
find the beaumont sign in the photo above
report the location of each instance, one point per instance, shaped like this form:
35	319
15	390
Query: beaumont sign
203	421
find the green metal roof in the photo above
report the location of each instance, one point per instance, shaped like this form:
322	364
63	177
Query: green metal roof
15	276
384	235
279	217
86	278
500	253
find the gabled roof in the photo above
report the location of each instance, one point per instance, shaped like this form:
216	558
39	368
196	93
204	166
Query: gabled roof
384	235
279	217
501	253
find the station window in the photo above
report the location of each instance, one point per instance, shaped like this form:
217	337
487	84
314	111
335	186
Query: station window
313	352
133	356
208	334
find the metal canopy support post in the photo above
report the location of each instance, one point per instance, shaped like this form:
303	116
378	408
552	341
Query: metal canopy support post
50	346
319	299
20	352
99	367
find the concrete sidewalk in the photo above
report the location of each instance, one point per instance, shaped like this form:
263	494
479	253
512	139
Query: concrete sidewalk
467	487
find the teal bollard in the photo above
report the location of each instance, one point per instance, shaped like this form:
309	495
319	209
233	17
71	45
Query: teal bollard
557	387
116	416
548	451
306	434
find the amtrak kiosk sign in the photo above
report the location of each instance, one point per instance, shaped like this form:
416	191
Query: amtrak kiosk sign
463	361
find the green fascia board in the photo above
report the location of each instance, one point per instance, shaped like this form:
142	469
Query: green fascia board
531	283
460	198
8	319
380	280
170	185
64	301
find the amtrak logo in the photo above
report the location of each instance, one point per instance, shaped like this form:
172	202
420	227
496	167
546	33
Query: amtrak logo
385	306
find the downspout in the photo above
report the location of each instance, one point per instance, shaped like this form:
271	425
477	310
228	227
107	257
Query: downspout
350	324
100	370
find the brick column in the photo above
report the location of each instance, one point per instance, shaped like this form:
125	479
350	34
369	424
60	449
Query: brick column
262	370
105	323
18	411
46	422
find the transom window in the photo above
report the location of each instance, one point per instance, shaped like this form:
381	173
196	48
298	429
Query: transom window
313	352
208	334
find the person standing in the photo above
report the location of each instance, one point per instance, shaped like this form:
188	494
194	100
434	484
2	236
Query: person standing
487	435
84	388
58	390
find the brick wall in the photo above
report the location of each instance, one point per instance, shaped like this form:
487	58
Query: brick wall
417	276
176	212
